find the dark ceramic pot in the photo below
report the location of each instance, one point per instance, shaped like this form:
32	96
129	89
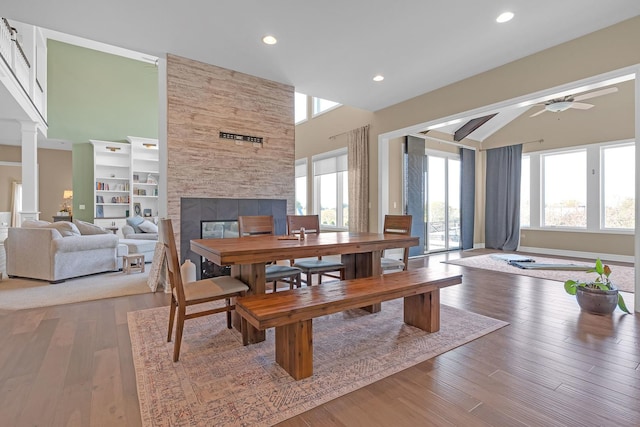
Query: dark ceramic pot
597	301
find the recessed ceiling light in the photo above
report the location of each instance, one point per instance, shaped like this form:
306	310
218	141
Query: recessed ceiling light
269	40
378	78
504	17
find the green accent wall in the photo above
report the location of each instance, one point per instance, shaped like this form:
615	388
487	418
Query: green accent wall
96	95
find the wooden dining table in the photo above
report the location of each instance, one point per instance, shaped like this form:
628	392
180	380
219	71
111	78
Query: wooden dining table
248	256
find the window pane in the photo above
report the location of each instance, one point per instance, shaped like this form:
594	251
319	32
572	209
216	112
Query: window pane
328	199
525	192
300	107
454	203
320	105
301	195
565	189
618	186
436	202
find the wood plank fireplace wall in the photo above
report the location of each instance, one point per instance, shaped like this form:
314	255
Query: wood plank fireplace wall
204	100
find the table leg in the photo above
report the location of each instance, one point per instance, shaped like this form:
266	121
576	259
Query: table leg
423	311
254	276
360	265
294	348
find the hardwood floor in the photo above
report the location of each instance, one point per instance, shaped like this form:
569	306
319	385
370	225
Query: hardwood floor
72	365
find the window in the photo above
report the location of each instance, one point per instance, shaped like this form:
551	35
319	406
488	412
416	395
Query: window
321	105
565	189
525	192
618	186
590	187
331	197
301	187
300	105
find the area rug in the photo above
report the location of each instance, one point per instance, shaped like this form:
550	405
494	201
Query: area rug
17	294
621	276
219	382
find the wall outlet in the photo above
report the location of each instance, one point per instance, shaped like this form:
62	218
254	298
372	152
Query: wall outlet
81	207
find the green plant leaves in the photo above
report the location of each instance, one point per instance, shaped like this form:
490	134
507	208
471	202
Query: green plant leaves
621	305
570	287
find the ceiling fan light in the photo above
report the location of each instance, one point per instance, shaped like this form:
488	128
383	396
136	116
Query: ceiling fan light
559	106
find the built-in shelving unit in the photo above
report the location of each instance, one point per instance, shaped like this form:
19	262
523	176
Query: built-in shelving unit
145	174
125	180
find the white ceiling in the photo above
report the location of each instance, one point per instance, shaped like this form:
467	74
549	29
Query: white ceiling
333	48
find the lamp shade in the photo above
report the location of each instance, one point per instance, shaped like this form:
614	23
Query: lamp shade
68	194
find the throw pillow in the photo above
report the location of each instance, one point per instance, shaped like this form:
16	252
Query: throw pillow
66	228
148	227
86	228
135	223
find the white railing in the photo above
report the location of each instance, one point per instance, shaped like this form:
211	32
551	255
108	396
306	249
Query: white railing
21	66
5	40
15	57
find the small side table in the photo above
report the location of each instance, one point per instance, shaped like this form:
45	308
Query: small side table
133	263
114	230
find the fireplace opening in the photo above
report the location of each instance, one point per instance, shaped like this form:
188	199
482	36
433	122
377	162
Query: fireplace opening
219	229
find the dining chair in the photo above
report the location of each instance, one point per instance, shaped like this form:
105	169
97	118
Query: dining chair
319	266
396	224
184	295
262	225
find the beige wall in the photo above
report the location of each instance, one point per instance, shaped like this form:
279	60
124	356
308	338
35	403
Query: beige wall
597	53
203	100
55	176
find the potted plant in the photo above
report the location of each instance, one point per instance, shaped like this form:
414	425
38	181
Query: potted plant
599	296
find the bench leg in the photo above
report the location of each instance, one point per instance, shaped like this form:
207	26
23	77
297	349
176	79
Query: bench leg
423	311
294	349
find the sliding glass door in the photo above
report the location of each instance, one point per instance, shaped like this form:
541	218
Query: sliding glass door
442	201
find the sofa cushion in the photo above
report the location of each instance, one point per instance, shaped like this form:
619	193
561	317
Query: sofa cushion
34	223
66	228
148	227
135	222
86	228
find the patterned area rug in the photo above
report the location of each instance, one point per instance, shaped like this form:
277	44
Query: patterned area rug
621	276
219	382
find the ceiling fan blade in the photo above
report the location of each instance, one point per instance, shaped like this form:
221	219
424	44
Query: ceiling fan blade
538	113
593	94
581	106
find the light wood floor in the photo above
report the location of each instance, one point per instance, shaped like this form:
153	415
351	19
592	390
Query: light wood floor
72	365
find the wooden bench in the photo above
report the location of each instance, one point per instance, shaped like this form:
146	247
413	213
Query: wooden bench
291	312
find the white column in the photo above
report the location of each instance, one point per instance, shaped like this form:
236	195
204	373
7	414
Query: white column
29	171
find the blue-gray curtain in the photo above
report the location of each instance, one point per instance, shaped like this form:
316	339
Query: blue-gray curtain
502	208
467	196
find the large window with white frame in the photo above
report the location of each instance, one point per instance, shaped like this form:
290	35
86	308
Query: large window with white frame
589	188
301	187
330	189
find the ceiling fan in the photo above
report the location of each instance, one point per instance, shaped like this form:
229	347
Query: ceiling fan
561	104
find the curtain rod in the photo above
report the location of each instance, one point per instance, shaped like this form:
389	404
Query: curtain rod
345	132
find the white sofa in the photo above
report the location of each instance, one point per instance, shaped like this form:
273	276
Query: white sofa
43	253
139	228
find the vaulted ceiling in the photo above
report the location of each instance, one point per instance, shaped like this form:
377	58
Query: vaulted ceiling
332	49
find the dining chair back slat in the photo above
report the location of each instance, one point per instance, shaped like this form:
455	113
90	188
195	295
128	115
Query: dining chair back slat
263	225
311	224
397	224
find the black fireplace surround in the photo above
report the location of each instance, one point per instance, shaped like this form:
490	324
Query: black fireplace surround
194	211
